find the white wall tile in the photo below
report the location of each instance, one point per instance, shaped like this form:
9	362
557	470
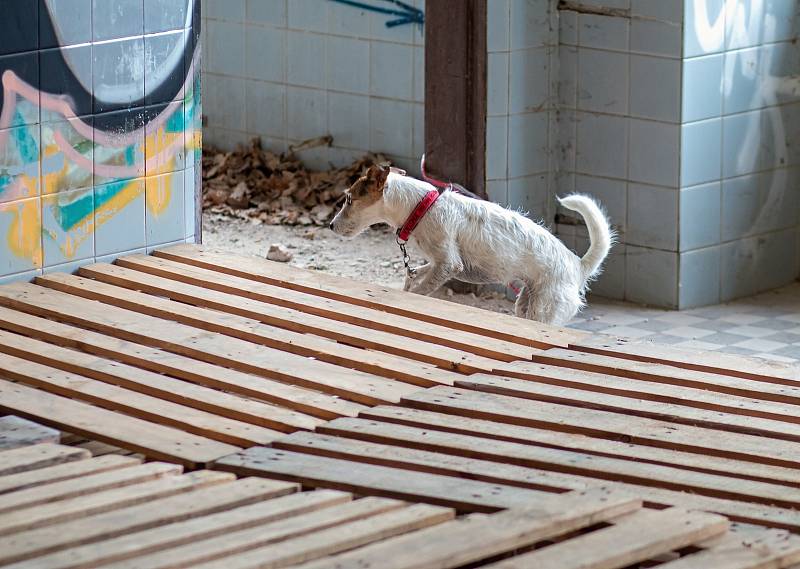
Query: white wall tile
497	79
704	27
265	53
646	227
702	87
567	76
651	276
528	82
496	148
529	195
307	15
265	108
566	142
527	144
568	27
530	23
611	282
741	138
701	152
224	49
700	211
419	74
602	147
656	37
654	153
655	88
603	32
272	12
233	11
390	70
419	134
497	190
347	64
602	81
306	113
391	127
348	120
305	65
699	278
498	25
612	195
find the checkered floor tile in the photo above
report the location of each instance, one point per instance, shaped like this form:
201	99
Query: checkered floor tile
765	326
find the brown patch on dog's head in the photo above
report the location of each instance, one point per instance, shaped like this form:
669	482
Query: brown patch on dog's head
359	210
369	188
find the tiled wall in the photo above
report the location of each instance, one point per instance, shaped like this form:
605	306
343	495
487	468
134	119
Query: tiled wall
99	130
290	70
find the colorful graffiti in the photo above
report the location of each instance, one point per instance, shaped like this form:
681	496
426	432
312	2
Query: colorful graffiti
100	129
402	12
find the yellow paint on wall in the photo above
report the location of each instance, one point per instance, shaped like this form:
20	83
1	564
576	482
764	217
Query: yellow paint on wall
126	195
159	193
25	231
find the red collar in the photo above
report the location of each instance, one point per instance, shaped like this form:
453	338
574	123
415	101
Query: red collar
416	216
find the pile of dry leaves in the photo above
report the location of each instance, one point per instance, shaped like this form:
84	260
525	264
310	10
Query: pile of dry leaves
276	188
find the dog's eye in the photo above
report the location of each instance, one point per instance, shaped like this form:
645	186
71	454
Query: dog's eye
348	199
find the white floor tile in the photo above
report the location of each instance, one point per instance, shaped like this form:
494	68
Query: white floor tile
751	331
627	332
698	345
760	345
679	319
688	332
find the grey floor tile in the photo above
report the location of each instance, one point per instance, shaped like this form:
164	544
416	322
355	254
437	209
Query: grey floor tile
724	338
785	337
737	350
789	352
775	324
589	325
664	339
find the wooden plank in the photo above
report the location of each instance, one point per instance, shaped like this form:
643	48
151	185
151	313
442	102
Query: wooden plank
603	424
711	362
362	434
435	311
43	477
134	403
69	509
206	346
92	529
234	543
154	384
471	539
88	484
315	471
213	533
724	500
497	431
303	312
786	392
336	539
625	543
296	332
155	441
17	432
761	549
626	405
32	457
159	361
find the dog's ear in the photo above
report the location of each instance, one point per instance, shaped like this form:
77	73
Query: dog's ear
378	174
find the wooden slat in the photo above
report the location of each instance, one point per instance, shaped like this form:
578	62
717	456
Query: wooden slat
189	505
578	397
746	505
471	539
603	424
134	403
17	432
361	433
159	361
32	457
292	324
342	312
785	392
87	484
497	431
642	536
154	384
326	340
155	441
450	315
712	362
43	477
301	526
194	538
316	471
336	539
213	348
26	519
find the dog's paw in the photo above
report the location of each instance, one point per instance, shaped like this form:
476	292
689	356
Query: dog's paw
407	284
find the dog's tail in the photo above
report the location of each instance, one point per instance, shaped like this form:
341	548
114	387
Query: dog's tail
601	236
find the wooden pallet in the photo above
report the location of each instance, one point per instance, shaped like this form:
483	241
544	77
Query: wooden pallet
62	508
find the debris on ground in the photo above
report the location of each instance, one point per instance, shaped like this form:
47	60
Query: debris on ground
279	253
276	189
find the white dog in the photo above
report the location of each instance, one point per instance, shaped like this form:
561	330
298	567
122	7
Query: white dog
481	242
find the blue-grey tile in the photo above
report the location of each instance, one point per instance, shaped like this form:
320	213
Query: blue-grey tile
497	190
645	229
741	201
775	145
497	84
230	96
379	30
665	10
306	113
125	230
655	88
191	185
164	66
118	74
57	78
611	282
498	26
348	119
24	277
704	27
165	15
656	37
568	28
20	26
567	76
224	49
612	195
391	127
741	138
602	147
305	59
265	53
496	148
164	209
699	278
602	81
419	135
702	87
528	85
651	276
528	195
781	67
117	18
701	152
308	15
527	144
739	271
161	156
654	152
566	140
753	23
790	120
390	70
603	32
69	268
700	216
272	12
743	80
775	252
64	22
265	105
759	203
419	74
530	23
231	10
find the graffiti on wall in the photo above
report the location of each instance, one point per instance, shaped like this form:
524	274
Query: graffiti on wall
401	12
100	128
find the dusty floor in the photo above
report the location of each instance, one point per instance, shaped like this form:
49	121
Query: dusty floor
766	326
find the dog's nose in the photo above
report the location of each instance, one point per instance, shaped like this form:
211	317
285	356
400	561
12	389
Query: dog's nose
331	225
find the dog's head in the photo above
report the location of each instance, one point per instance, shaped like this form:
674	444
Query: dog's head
363	205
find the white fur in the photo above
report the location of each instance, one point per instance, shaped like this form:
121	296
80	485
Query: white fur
481	242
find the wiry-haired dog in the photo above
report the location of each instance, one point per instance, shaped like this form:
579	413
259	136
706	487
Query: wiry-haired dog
481	242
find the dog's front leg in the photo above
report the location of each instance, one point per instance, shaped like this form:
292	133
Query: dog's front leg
434	277
420	272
